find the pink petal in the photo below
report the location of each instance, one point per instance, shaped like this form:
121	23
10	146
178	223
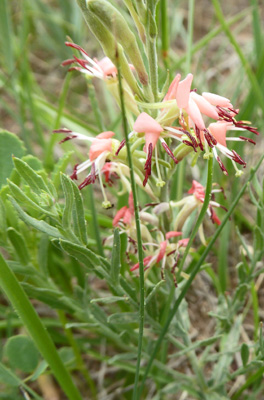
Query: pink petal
183	242
146	124
204	106
172	234
217	100
105	135
215	218
183	91
128	216
151	138
218	130
171	94
98	147
120	213
197	190
107	66
163	246
195	115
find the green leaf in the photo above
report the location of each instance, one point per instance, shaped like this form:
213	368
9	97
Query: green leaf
69	199
85	256
109	300
244	354
21	353
34	180
124	318
78	215
19	245
51	297
33	162
115	263
22	197
10	145
39	225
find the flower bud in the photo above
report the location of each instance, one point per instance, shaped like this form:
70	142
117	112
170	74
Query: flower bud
117	25
109	45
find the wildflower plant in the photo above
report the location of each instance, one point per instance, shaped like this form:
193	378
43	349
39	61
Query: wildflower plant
112	237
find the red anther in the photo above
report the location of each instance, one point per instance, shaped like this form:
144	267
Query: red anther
238	159
233	110
212	138
68	62
147	166
222	165
209	139
62	130
81	62
77	47
67	138
151	204
74	174
198	135
169	152
122	144
86	182
247	139
189	144
192	139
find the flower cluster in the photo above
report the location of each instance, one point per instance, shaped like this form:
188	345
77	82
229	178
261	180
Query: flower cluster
161	134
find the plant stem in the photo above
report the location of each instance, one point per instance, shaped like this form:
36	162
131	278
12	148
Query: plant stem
139	239
191	278
165	39
36	329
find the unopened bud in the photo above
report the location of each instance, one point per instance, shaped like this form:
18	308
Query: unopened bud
111	49
117	25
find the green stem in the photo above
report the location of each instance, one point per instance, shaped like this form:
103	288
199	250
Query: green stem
36	329
190	280
202	213
139	239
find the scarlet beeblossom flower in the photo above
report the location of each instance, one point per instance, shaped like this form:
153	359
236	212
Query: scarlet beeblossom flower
152	132
193	131
102	147
101	69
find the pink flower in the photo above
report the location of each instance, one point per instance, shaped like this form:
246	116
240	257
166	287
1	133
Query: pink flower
125	213
101	69
152	130
102	147
194	133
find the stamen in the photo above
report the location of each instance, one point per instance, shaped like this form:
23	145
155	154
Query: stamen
247	139
74	174
147	166
68	62
189	144
236	157
198	135
168	151
67	138
122	144
223	168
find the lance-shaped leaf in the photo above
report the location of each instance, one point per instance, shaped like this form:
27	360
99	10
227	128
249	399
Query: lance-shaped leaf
10	145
